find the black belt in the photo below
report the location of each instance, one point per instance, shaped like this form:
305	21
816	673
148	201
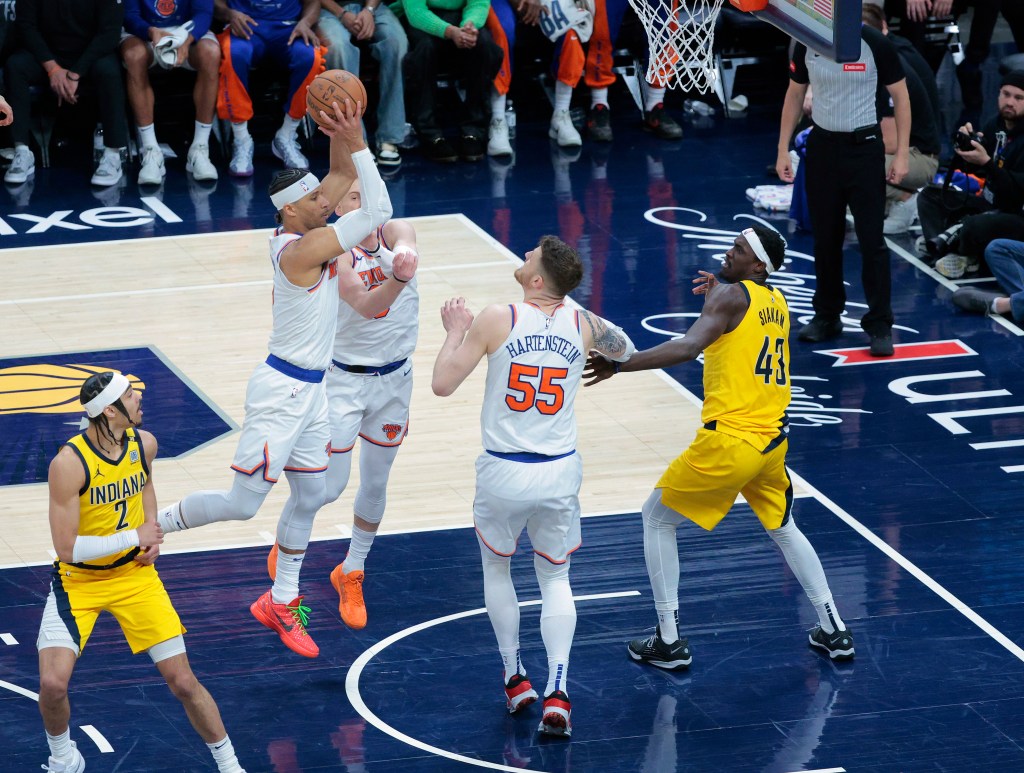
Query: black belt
372	370
857	136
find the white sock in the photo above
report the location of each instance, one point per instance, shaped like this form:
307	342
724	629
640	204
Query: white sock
286	584
290	127
653	98
557	676
171	519
563	96
512	662
147	135
224	755
498	104
668	625
358	550
598	97
202	134
240	130
60	745
993	306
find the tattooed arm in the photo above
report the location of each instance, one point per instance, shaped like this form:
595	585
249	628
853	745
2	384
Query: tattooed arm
605	338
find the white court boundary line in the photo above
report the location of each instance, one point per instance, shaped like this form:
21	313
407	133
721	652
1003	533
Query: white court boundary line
356	670
90	730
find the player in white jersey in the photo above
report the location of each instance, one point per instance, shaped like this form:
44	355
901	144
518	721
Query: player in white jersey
286	427
530	473
368	391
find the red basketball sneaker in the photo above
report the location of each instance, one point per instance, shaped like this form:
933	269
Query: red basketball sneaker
556	715
289	620
519	693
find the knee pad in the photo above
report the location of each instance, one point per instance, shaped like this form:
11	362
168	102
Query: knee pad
245	501
339	470
306	498
374	470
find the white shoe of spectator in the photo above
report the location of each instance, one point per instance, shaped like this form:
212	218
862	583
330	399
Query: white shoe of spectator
241	158
902	215
22	166
921	246
287	149
199	164
497	138
109	171
562	131
152	171
952	266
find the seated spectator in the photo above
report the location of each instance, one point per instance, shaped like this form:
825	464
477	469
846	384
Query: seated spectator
912	17
371	23
925	140
146	24
73	45
1005	258
984	16
280	32
998	158
452	31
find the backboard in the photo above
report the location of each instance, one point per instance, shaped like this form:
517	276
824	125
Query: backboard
830	27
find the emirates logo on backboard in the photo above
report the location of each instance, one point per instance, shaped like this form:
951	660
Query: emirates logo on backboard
855	67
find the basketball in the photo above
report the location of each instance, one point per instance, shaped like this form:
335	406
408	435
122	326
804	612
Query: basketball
333	86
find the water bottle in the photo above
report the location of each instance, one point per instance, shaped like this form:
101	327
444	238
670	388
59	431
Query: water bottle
510	119
696	107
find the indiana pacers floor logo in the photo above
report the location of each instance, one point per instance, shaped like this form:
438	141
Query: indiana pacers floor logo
40	410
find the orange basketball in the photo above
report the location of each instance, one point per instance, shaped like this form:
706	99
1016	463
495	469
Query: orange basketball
333	86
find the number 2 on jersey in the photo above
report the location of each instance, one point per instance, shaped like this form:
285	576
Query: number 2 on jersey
766	359
121	508
536	388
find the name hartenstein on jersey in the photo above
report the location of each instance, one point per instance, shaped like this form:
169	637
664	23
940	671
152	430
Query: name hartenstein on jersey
543	343
109	493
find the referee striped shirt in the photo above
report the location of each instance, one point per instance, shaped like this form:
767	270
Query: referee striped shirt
845	93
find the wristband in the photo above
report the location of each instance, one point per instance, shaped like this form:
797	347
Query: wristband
75	79
403	281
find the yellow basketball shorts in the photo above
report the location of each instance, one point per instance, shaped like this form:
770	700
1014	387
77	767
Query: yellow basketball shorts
703	482
133	594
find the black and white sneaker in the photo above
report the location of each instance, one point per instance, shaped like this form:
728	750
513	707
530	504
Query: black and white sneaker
655	652
838	645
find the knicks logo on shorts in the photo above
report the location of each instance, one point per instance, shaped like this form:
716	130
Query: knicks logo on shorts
40	407
391	430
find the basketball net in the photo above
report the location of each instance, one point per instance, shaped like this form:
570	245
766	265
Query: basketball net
681	35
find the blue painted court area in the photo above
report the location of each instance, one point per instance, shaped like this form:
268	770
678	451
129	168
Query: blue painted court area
928	690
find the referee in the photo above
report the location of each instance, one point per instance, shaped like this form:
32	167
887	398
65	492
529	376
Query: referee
845	166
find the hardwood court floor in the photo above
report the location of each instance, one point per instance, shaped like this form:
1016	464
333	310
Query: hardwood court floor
203	301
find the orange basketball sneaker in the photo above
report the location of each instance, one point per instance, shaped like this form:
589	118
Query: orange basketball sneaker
350	588
272	563
289	620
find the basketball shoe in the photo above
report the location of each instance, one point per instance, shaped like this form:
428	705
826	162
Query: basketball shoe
497	138
109	171
655	652
241	157
23	166
557	711
838	645
562	131
199	165
350	589
75	764
153	170
519	693
289	620
286	148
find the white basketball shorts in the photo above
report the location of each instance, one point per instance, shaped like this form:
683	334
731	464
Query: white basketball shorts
542	497
375	408
286	426
125	34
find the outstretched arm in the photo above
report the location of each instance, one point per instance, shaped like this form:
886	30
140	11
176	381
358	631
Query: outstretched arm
468	340
609	340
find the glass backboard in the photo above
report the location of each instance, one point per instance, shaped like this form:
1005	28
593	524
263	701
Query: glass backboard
830	27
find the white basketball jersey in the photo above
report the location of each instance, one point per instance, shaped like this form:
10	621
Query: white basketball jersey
304	317
391	335
531	383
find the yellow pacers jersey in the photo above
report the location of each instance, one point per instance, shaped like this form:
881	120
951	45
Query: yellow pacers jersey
746	371
111	499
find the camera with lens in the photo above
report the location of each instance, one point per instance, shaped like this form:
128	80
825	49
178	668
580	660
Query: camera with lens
946	242
962	140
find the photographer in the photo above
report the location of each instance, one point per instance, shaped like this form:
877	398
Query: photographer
997	155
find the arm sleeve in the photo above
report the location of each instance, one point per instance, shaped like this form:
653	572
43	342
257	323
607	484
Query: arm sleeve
109	18
798	65
91	548
476	11
353	227
422	18
887	60
133	21
26	27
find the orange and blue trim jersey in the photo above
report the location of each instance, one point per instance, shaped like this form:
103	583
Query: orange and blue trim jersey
111	499
391	335
304	317
594	66
531	384
746	371
269	41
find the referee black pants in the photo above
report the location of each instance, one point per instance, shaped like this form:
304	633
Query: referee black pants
841	173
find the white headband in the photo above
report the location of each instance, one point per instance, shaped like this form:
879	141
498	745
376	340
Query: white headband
295	191
755	244
111	394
